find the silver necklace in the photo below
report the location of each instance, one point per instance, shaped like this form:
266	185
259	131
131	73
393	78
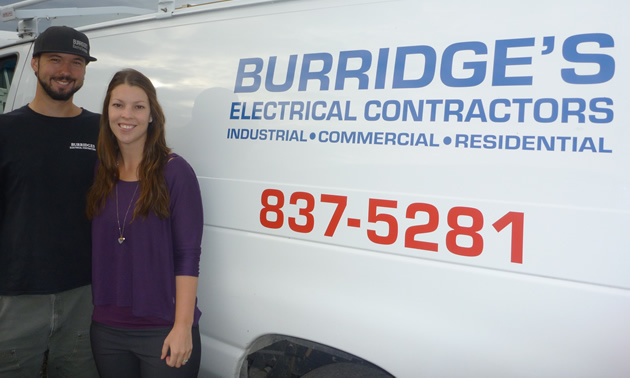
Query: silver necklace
121	231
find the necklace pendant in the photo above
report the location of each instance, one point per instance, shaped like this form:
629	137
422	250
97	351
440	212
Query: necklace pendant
121	240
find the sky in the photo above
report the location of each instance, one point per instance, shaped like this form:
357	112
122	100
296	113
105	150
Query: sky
151	5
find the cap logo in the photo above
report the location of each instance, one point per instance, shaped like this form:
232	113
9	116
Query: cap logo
80	45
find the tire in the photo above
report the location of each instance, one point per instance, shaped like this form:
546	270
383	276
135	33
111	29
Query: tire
346	370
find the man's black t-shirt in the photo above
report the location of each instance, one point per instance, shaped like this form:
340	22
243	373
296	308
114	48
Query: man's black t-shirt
46	168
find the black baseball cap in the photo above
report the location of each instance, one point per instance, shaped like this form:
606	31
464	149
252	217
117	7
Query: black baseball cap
63	39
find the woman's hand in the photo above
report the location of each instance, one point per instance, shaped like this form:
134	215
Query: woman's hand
179	341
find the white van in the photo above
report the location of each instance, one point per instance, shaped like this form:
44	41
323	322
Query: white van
395	187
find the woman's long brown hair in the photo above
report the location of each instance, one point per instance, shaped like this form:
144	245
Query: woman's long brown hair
154	194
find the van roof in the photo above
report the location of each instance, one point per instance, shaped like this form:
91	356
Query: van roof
8	38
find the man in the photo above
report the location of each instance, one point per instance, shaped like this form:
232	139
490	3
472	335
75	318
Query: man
47	159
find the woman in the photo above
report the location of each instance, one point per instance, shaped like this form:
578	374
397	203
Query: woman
147	222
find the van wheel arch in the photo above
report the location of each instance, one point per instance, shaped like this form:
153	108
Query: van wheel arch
287	356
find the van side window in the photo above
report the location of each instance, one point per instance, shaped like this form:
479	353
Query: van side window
7	67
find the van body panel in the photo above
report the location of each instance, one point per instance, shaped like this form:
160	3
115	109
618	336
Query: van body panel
436	187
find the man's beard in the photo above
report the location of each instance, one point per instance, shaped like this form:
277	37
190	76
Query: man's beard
59	96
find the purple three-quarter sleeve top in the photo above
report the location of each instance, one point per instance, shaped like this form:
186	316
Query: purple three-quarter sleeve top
134	281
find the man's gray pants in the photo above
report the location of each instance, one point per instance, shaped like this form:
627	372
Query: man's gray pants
58	323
